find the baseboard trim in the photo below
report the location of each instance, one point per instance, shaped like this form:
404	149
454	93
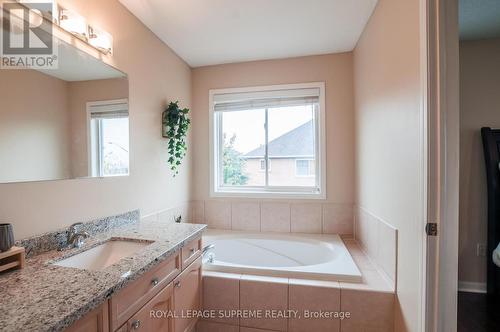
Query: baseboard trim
472	287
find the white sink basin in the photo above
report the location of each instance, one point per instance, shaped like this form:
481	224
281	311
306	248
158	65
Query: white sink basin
103	255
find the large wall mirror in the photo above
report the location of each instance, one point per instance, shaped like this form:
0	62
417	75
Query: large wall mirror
64	123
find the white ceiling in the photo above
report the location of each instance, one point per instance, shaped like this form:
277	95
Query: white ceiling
207	32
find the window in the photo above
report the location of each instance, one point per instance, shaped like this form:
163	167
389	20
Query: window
255	127
304	167
108	138
263	165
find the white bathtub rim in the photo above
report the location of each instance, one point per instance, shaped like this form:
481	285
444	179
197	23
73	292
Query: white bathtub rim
268	272
315	271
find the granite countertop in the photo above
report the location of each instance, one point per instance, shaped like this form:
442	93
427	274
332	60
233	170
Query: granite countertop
47	297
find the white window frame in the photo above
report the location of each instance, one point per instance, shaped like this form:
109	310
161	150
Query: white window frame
91	107
276	192
309	168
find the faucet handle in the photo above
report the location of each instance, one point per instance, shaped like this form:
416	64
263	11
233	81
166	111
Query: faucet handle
78	239
75	225
72	230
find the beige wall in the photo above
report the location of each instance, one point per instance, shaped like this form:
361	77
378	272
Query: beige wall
334	69
388	136
479	107
34	128
79	94
156	76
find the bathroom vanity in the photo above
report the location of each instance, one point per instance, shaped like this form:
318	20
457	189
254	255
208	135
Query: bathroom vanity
157	301
156	287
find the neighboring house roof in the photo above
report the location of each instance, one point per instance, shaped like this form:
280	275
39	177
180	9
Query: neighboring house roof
298	142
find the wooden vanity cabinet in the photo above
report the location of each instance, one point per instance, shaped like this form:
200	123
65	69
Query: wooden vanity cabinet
169	289
94	321
187	297
132	298
158	301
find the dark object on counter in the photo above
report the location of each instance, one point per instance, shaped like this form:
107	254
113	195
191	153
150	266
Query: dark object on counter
6	237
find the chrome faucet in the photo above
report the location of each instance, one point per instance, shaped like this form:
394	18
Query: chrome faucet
209	247
75	237
207	255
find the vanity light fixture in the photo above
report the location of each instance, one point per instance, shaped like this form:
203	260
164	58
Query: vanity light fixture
77	25
101	40
73	23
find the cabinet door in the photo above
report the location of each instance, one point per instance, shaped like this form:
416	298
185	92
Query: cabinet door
155	315
187	296
94	321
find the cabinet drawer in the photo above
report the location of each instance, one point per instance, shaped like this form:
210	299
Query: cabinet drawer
190	252
130	299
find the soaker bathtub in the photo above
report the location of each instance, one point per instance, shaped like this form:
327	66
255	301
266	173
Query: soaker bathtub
302	256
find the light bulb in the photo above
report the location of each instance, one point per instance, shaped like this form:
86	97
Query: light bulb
101	40
72	22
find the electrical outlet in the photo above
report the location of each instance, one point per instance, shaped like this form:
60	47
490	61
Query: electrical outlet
481	250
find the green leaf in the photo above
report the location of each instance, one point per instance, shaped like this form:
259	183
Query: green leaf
177	125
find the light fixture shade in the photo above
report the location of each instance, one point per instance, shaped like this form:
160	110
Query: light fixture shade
73	22
101	40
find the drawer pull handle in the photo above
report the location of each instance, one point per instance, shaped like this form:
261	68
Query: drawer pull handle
136	324
191	251
154	282
177	283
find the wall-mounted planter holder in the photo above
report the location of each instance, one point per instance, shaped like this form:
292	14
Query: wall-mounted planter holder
175	125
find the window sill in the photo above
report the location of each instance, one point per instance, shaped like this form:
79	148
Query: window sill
267	194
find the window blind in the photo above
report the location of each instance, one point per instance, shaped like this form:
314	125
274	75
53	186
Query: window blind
110	111
265	99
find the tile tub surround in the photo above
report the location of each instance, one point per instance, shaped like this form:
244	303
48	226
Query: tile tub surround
274	216
264	293
379	240
46	297
370	303
38	244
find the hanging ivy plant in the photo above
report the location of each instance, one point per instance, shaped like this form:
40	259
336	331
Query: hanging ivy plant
175	127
